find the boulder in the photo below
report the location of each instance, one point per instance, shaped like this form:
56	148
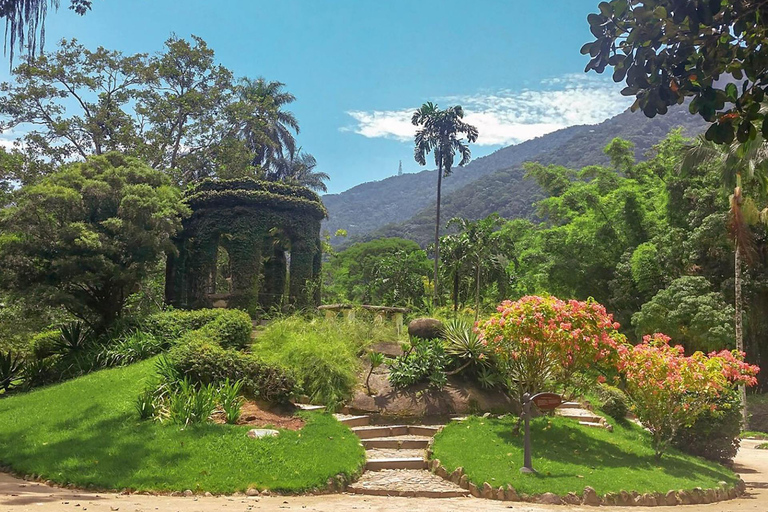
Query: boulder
426	328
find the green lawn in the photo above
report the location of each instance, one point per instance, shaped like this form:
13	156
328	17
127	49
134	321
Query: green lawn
86	431
569	457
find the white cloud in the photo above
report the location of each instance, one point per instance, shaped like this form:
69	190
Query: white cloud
508	117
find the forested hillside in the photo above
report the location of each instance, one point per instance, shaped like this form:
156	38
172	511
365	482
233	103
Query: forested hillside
404	205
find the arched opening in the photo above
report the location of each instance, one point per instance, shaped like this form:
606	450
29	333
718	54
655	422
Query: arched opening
222	279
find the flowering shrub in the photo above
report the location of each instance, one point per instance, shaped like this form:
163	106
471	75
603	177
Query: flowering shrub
542	343
669	390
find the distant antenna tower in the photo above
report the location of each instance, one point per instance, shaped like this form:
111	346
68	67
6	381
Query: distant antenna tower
400	169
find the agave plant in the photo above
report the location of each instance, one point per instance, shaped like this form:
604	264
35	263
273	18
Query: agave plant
76	338
10	370
463	344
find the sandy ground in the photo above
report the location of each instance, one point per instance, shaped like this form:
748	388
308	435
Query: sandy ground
17	496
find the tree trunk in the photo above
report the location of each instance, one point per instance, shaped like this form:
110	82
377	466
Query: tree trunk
435	299
456	291
477	290
738	327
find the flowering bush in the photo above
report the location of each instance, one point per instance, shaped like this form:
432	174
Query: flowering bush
542	343
669	390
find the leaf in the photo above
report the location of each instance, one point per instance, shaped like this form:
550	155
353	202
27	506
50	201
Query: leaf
732	92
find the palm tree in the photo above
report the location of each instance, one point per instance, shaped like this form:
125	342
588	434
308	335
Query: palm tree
298	168
440	133
737	160
481	245
264	125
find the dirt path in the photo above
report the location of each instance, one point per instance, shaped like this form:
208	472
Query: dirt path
17	496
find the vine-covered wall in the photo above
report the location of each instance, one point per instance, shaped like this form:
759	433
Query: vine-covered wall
257	223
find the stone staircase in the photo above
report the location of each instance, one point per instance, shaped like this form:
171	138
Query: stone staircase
584	416
396	461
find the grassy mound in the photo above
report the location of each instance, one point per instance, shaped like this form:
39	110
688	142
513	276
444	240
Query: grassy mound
86	431
569	457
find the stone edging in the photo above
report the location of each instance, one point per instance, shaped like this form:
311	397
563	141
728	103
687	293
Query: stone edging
694	496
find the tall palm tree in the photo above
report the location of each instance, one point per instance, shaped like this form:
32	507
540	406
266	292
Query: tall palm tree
298	168
441	132
738	161
264	125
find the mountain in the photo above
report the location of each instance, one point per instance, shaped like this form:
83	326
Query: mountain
405	206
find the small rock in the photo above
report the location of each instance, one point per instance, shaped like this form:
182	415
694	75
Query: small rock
649	499
670	498
265	492
252	492
464	482
457	474
208	494
442	472
590	497
473	490
511	494
572	499
741	486
625	499
710	496
487	415
684	497
609	427
487	492
258	433
610	498
549	498
733	493
188	493
499	494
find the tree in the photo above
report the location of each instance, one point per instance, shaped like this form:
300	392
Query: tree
298	168
691	312
25	21
668	50
440	132
84	237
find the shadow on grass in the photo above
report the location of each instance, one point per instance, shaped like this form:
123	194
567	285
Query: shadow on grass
564	442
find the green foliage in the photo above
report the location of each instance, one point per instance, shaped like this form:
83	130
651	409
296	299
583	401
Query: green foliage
169	326
44	344
424	361
76	339
10	370
388	271
323	355
568	457
204	362
99	411
690	313
463	345
191	403
612	401
375	359
715	433
230	399
634	39
145	404
84	237
231	329
131	348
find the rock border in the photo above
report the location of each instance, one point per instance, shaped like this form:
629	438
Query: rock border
589	497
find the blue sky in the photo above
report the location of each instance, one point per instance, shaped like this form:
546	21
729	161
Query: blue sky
359	68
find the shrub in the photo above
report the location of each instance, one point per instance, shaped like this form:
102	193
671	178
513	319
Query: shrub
76	339
612	401
44	344
424	361
169	326
544	343
463	345
145	404
205	362
715	433
323	355
231	328
191	403
38	372
230	400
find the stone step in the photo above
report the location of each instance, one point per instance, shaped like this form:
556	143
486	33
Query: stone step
309	407
406	483
399	463
570	405
374	431
581	415
591	424
394	453
352	420
396	443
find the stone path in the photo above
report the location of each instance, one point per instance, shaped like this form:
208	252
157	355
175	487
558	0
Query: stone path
580	413
396	461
